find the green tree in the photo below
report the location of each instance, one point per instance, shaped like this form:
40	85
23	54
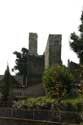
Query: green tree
5	90
76	42
21	63
8	83
58	75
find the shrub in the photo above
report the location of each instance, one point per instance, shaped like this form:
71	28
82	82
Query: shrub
58	80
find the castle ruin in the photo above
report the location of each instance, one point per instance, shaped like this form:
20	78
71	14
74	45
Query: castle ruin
36	64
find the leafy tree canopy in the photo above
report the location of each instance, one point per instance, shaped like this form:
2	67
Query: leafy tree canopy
21	63
57	75
76	42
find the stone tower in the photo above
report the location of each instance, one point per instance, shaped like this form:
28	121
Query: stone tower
32	43
53	50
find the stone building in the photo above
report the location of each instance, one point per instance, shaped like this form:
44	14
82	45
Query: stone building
36	64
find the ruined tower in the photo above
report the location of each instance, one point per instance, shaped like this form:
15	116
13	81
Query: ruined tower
53	50
33	43
35	62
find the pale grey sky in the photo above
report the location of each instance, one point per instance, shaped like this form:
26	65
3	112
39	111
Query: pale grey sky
19	17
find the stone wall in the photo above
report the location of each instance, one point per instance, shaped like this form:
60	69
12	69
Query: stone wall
34	91
53	50
35	69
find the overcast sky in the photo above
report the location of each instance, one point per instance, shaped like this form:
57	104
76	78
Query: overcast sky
19	17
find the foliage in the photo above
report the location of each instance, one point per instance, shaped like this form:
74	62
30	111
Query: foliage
76	42
46	102
6	87
21	63
81	123
73	100
34	102
58	77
